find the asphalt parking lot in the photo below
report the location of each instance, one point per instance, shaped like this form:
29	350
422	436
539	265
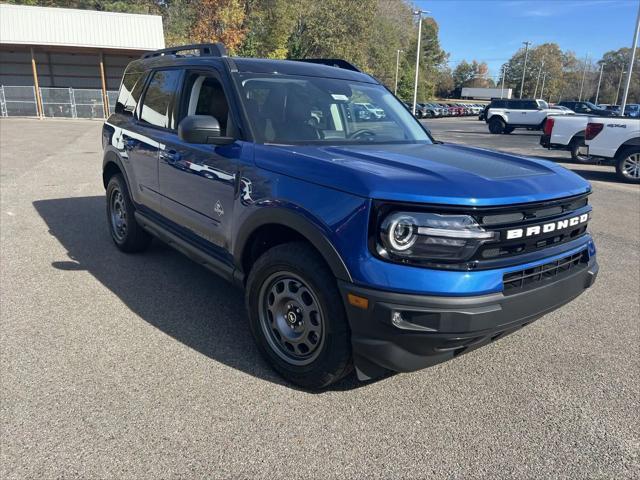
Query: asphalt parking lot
121	366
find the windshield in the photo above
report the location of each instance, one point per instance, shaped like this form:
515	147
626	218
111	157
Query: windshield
288	109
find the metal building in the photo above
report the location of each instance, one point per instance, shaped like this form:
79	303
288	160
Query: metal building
59	62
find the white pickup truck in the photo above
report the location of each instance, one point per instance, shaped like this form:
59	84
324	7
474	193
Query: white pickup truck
567	133
617	139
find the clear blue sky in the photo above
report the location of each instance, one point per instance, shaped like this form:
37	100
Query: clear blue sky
493	30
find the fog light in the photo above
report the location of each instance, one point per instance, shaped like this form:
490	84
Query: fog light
397	320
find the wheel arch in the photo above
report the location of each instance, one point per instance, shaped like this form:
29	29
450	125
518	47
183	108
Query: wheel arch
111	165
632	142
266	228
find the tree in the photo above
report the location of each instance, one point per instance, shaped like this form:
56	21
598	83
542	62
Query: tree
472	74
220	21
615	63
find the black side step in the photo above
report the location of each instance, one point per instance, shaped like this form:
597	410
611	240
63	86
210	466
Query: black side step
209	262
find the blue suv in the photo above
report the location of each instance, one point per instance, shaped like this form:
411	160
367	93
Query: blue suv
360	244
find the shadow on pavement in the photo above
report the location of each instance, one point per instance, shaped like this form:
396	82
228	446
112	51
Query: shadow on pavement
163	287
599	175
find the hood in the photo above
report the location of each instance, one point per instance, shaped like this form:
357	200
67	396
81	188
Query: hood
424	173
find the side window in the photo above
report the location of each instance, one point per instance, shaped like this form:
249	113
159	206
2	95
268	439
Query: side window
157	107
530	105
204	95
130	91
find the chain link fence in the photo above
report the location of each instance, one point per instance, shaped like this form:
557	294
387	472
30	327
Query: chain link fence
56	102
18	102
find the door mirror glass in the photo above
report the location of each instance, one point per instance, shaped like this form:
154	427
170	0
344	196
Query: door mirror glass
202	129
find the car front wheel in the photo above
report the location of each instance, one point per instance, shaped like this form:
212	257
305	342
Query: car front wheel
297	317
496	126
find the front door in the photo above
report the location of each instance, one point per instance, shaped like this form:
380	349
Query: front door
198	182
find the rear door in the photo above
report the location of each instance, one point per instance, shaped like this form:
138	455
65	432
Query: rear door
155	117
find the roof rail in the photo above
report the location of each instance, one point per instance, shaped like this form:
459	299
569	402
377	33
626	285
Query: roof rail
205	50
331	62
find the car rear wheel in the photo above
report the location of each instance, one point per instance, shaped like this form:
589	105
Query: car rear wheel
125	231
496	125
508	130
579	152
297	317
628	165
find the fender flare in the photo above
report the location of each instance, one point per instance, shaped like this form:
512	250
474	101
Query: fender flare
111	156
498	115
296	221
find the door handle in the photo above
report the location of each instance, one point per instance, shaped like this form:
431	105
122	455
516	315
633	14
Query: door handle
169	156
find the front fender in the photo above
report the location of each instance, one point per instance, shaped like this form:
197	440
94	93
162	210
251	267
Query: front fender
286	216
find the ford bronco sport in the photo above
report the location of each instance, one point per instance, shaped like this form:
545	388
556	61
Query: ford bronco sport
359	244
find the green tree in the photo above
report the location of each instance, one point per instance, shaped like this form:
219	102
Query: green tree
612	87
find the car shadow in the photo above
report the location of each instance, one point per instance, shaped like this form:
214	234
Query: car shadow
163	287
598	175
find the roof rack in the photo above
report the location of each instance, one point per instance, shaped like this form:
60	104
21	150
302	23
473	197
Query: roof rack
204	49
331	62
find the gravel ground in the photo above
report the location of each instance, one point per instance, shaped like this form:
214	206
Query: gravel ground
141	366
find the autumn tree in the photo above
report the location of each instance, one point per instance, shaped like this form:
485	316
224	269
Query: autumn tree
220	21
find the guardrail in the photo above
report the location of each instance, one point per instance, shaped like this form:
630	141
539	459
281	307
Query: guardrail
58	102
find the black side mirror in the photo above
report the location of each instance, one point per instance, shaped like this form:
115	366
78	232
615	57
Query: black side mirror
202	129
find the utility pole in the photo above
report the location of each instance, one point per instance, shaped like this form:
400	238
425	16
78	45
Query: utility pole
630	71
584	73
538	79
395	90
544	77
419	13
599	81
504	71
524	68
622	72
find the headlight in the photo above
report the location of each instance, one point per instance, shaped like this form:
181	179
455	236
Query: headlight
416	236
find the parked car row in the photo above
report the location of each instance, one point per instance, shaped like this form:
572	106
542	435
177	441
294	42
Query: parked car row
449	109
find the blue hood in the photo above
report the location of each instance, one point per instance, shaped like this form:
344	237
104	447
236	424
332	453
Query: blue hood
439	173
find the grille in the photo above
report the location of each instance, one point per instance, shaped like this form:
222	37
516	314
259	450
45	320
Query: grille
528	215
529	278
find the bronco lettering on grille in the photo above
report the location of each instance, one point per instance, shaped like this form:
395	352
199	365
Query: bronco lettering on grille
547	227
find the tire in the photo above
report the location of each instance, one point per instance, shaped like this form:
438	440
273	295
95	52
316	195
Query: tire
508	130
496	125
292	298
125	231
577	155
628	164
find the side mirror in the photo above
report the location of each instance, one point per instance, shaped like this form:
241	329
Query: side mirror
202	129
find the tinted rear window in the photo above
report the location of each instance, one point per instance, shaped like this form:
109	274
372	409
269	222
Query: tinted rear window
130	91
157	105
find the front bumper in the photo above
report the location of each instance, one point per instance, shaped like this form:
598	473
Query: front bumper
434	329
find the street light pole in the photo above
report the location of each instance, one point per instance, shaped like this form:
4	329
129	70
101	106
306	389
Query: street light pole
395	90
419	13
524	68
504	71
584	73
544	77
599	81
633	58
622	72
538	79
